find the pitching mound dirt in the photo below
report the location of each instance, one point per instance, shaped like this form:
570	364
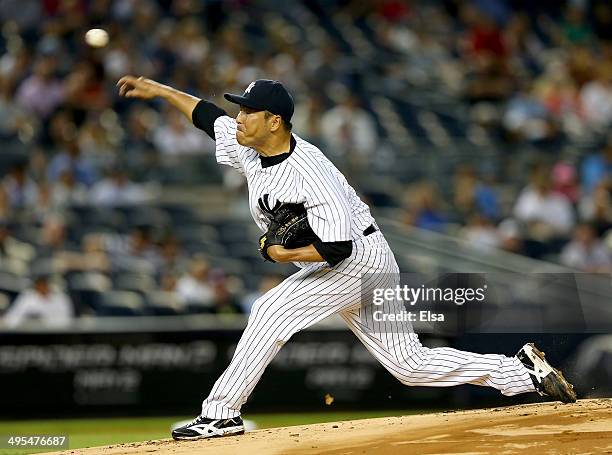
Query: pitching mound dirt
551	428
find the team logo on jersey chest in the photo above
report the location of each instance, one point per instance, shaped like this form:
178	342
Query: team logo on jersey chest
264	204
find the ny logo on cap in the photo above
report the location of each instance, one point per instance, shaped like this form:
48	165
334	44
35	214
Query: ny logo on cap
248	89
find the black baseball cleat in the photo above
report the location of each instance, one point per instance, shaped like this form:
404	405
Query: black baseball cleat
547	380
203	427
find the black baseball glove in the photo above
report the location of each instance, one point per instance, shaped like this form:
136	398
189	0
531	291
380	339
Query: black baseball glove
288	227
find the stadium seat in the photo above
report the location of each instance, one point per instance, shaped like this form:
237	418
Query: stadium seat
207	248
197	308
232	232
162	303
11	284
243	250
89	280
121	303
12	267
137	282
27	233
230	266
180	214
251	280
5	302
86	289
131	264
195	232
104	217
150	216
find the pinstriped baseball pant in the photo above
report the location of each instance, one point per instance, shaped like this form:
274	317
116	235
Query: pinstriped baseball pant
316	292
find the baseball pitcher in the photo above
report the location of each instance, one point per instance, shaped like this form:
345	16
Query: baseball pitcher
311	216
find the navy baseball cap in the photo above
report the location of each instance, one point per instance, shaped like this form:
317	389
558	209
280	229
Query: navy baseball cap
266	95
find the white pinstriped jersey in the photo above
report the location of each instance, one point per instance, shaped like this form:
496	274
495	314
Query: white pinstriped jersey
312	294
335	212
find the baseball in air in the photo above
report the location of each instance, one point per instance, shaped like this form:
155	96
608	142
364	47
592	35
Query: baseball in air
96	37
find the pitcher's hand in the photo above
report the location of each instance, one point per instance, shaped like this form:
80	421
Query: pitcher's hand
139	87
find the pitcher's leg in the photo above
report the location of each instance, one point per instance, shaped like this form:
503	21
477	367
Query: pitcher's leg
400	351
298	302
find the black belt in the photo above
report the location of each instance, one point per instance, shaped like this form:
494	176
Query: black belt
371	229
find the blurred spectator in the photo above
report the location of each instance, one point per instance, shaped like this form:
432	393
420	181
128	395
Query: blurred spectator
44	205
597	167
117	189
51	307
172	257
37	165
596	97
117	58
509	234
266	283
581	62
470	193
176	137
307	119
564	181
596	207
393	11
168	282
424	208
20	189
349	129
193	46
487	74
574	28
546	213
139	149
586	252
42	92
71	159
547	216
14	254
194	286
526	117
428	59
96	139
485	38
60	130
67	191
53	238
91	258
5	203
481	233
489	80
558	92
226	290
14	121
135	252
323	64
26	14
85	88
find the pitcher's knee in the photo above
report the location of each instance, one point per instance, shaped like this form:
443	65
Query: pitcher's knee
258	306
409	376
263	309
412	370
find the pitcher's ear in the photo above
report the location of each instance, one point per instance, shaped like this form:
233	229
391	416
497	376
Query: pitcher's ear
276	123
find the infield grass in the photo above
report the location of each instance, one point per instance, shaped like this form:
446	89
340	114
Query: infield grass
100	432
